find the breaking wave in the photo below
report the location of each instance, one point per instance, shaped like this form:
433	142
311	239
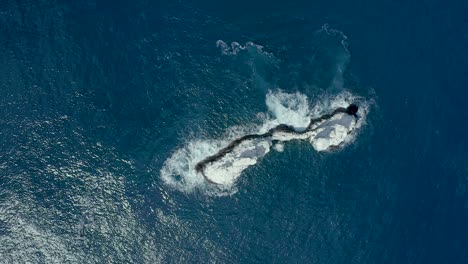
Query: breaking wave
292	109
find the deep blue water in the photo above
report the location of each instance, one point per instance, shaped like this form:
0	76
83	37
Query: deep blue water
96	95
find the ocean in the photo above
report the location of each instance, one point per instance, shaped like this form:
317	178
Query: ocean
106	107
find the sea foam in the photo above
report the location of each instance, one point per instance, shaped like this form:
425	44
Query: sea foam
291	109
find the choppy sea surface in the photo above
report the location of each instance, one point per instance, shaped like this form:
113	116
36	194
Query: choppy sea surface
105	107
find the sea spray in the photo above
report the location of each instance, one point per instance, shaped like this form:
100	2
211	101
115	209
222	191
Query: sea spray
291	109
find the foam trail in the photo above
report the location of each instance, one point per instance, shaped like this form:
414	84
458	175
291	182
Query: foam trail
336	54
179	170
235	48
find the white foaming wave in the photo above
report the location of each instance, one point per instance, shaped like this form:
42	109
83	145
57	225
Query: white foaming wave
226	170
327	103
292	109
344	99
179	171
